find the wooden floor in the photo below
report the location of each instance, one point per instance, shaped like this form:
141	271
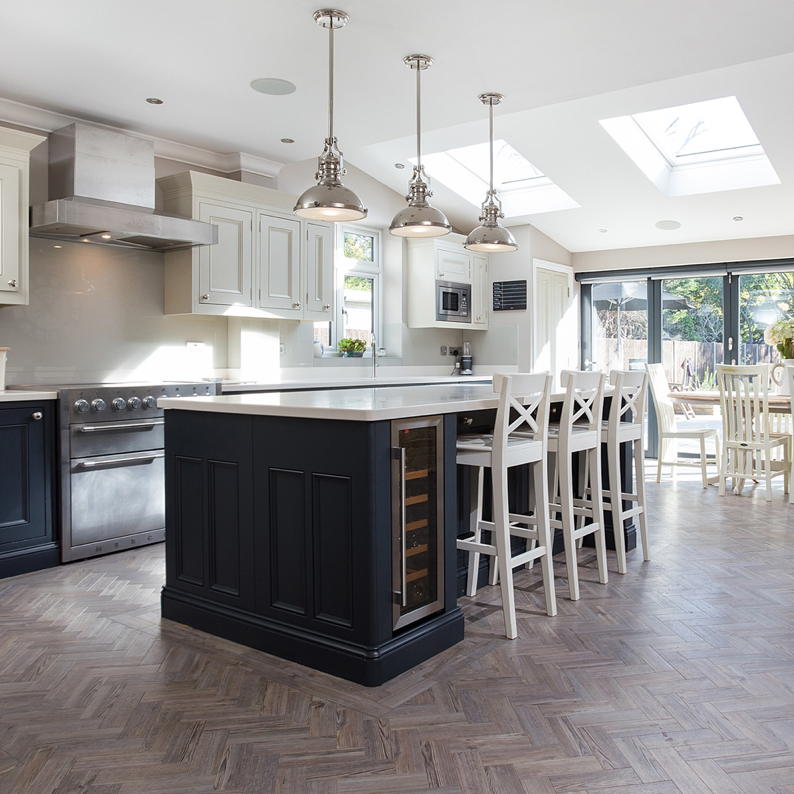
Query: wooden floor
678	676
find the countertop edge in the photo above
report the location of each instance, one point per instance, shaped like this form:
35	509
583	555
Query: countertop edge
10	396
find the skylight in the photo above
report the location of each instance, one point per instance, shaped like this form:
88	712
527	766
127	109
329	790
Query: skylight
703	147
523	188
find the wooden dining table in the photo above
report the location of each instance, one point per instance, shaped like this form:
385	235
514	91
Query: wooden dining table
778	403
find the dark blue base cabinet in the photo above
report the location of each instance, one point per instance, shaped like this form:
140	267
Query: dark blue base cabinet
27	450
280	536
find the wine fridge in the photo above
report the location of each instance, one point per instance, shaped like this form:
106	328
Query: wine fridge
417	518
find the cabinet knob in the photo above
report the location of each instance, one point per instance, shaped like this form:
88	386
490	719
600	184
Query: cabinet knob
205	297
12	283
296	305
326	307
36	416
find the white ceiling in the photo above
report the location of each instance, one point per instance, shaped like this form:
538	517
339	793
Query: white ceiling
562	67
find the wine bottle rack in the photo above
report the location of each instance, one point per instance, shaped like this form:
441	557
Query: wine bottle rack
417	511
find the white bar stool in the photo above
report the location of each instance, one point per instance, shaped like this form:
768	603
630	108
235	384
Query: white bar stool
579	432
525	396
629	398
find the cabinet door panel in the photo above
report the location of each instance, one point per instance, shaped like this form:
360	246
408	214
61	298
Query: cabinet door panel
225	268
319	271
480	292
453	266
24	479
279	264
9	229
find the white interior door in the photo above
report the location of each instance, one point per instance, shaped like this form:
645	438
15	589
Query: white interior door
556	337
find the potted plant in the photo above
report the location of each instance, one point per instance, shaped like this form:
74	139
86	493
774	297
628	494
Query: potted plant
352	348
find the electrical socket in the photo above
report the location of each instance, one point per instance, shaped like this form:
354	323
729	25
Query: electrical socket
454	351
443	350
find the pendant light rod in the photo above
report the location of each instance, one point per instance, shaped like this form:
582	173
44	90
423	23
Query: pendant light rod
419	118
490	136
330	81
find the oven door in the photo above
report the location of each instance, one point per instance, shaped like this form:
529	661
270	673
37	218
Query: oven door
117	496
99	438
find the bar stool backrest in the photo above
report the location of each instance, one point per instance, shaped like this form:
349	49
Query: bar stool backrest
660	389
584	400
744	401
629	398
523	407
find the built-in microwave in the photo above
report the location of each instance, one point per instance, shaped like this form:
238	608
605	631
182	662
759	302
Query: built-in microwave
453	302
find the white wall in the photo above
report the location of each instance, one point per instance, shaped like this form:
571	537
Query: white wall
508	340
96	313
747	249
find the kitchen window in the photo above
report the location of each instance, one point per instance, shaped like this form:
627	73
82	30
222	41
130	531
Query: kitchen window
357	293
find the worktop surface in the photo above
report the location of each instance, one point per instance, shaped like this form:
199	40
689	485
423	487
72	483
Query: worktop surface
9	396
320	381
363	405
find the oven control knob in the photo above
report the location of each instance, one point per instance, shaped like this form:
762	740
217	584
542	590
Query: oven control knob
149	402
98	405
133	403
118	404
82	406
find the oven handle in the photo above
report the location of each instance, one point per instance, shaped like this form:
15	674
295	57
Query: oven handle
113	463
119	426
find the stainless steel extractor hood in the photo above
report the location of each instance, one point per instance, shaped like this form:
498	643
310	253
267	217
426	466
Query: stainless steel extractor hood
101	189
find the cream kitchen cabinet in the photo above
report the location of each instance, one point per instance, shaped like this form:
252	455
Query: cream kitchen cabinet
480	291
15	148
267	263
445	259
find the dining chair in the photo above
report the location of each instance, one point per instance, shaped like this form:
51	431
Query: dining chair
669	431
748	445
519	438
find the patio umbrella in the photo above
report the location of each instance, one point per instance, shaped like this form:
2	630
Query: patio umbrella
630	296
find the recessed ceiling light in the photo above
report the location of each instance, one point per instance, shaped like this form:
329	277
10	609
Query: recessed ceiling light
288	140
738	218
57	246
274	86
603	230
85	240
106	236
668	226
153	100
399	165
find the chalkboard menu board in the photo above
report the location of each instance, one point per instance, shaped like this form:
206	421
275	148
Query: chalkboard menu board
509	295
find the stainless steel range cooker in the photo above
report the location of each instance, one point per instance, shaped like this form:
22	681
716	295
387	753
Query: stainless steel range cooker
111	465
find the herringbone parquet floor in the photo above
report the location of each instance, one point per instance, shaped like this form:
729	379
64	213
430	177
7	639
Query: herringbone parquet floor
676	677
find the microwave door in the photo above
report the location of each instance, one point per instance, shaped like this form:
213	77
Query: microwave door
450	301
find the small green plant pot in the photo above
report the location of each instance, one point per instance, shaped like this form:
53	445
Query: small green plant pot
354	354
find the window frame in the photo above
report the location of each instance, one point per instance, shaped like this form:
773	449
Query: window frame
347	266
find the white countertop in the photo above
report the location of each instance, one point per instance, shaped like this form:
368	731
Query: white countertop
9	396
361	405
319	381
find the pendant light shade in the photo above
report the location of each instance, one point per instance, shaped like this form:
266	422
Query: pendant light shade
490	237
419	219
329	199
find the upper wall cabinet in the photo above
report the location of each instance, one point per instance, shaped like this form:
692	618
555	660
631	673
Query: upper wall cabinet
267	263
444	259
15	150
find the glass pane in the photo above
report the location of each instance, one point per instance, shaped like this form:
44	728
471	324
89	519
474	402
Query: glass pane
358	316
359	246
620	325
322	333
693	323
421	516
717	126
764	300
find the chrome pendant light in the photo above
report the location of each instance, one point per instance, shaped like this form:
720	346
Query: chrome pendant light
490	237
329	199
419	219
